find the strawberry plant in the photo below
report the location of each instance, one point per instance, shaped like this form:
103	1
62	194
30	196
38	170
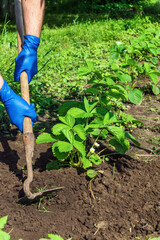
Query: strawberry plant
79	122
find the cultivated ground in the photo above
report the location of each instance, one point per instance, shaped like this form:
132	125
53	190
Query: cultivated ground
121	203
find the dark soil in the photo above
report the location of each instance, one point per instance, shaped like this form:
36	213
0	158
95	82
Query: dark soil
120	205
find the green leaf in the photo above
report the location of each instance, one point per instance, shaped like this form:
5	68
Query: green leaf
154	60
109	81
98	74
69	135
94	91
147	67
52	237
100	111
77	112
86	104
110	118
153	77
58	154
57	129
63	108
83	71
114	55
117	132
68	119
115	67
3	222
95	159
4	235
135	96
120	148
64	146
153	51
155	89
45	138
91	173
90	65
125	78
80	147
79	129
86	163
129	136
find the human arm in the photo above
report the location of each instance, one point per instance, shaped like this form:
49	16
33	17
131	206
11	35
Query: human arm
33	11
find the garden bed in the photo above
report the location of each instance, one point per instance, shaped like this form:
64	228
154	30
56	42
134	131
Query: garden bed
122	202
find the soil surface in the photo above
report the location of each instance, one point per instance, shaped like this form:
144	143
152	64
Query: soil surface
121	203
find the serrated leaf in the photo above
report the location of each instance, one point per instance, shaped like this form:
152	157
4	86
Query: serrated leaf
57	129
86	163
80	131
110	118
64	146
3	222
117	132
120	148
45	138
69	135
153	77
155	89
68	119
76	112
54	237
91	173
125	78
135	96
59	155
4	235
129	136
80	147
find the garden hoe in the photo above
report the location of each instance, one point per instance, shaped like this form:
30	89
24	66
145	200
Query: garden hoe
28	136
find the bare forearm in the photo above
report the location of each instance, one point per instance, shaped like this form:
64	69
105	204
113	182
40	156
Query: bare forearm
33	12
1	82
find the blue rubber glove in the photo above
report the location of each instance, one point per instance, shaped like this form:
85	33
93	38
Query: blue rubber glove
16	107
27	58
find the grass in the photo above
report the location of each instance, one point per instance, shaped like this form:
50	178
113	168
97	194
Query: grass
67	42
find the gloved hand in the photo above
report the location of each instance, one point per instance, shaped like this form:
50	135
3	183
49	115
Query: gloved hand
27	58
17	108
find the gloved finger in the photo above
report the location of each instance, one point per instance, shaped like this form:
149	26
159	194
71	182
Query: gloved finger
17	75
29	76
19	123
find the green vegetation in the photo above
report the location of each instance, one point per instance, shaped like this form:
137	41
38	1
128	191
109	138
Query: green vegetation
88	68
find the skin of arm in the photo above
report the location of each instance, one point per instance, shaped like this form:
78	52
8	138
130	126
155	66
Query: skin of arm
1	82
33	13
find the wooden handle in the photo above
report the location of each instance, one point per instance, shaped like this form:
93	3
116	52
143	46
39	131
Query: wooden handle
27	123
